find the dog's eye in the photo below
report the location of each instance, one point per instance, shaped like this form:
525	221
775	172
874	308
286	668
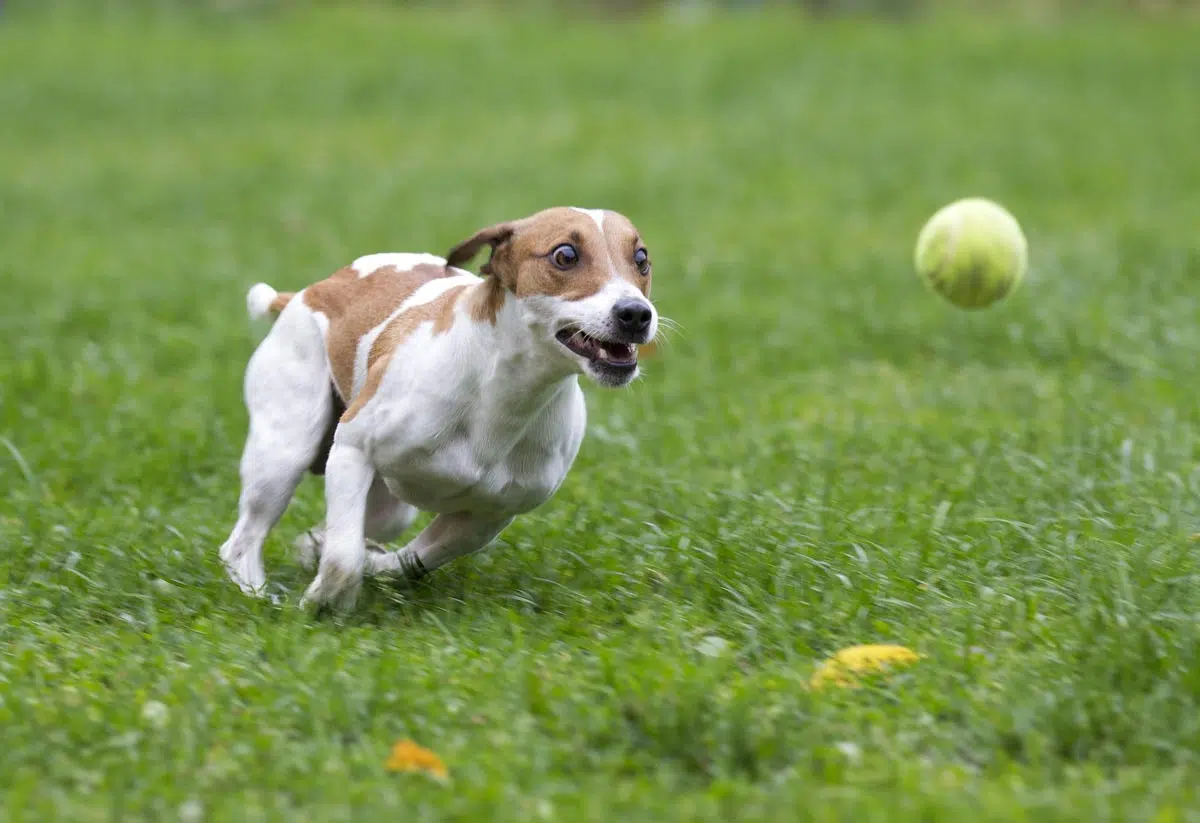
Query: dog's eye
564	256
642	260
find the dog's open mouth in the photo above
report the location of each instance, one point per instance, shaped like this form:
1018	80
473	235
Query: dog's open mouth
600	352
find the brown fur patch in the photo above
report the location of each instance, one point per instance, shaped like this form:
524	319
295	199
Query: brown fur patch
354	305
280	302
486	301
521	253
440	310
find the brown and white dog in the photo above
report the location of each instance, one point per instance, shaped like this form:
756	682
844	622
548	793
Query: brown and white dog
414	385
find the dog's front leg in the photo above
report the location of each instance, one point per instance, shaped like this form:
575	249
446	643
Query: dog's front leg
446	537
348	477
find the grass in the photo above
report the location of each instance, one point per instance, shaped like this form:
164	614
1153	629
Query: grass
828	455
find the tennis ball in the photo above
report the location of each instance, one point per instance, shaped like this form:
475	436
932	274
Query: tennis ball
972	252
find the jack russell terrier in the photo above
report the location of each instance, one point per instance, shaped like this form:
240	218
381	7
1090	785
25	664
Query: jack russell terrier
412	385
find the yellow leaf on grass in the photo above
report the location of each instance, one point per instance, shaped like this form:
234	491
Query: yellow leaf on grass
840	669
407	756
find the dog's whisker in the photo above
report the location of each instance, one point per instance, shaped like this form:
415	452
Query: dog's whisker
667	336
670	326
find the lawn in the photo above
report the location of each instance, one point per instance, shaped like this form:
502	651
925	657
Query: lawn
828	454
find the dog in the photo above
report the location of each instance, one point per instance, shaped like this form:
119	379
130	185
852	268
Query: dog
414	385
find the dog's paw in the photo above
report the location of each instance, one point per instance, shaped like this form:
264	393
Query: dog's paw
246	571
335	591
308	547
249	588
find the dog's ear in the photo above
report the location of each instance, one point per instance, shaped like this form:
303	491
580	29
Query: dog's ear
493	236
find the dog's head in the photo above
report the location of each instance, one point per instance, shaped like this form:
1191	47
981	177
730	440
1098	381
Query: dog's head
582	279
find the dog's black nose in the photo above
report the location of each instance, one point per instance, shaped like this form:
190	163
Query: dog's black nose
633	316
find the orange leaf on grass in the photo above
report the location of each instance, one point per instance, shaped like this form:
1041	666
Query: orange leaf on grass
407	756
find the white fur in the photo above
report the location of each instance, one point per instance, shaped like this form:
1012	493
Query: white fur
286	391
594	314
476	424
258	300
401	260
596	214
429	291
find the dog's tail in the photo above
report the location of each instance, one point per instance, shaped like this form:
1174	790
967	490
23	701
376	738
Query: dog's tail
262	300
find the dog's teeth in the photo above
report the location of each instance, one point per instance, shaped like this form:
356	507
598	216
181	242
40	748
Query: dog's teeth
603	353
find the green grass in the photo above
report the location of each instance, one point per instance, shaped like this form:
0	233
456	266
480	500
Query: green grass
827	455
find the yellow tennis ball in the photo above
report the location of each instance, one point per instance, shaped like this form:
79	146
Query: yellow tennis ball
972	252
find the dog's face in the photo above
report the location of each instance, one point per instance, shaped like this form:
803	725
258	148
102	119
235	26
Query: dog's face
583	280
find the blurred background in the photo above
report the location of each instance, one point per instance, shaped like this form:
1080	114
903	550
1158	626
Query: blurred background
897	8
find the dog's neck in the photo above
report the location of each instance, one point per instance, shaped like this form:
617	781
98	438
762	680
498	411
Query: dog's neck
524	373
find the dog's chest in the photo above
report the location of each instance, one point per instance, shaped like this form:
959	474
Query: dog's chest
459	460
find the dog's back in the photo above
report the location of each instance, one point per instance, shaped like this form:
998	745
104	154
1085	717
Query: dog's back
359	299
353	307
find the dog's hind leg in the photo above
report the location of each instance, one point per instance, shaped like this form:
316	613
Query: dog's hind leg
289	398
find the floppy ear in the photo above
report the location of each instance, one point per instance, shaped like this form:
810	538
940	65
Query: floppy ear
492	236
